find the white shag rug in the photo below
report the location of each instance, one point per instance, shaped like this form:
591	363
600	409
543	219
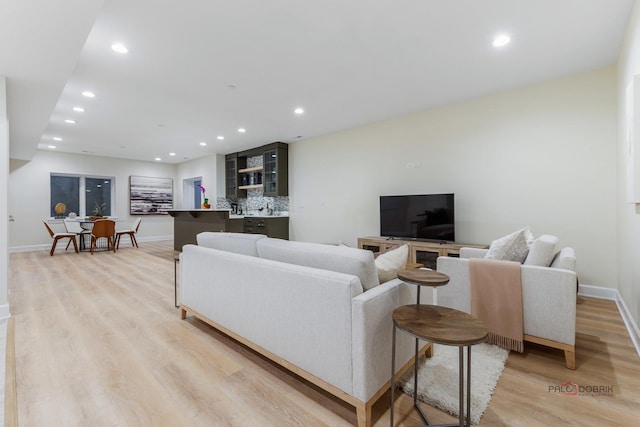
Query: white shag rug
438	378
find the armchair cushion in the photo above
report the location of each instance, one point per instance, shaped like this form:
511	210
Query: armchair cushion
512	247
542	251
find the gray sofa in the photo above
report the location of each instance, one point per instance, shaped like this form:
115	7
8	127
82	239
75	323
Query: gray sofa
548	297
315	309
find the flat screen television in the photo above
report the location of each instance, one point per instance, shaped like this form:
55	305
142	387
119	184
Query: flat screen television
420	216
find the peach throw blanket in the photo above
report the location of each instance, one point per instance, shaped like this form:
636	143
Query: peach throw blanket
496	299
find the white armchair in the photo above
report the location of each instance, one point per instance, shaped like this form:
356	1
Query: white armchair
548	297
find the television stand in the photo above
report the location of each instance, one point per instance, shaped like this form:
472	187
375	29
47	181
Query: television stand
420	251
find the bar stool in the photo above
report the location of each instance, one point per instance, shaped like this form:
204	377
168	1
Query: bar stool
441	325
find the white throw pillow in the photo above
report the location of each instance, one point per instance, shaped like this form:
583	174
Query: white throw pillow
390	262
542	251
512	247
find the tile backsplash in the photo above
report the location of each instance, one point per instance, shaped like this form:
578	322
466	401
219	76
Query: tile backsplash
254	201
255	198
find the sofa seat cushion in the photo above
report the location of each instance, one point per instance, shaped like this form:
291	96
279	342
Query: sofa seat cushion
357	262
239	243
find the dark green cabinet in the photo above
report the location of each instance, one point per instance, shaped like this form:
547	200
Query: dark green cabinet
233	163
276	171
272	177
277	227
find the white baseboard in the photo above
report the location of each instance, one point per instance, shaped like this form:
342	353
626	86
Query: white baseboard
15	249
47	246
614	295
155	238
598	292
629	322
5	313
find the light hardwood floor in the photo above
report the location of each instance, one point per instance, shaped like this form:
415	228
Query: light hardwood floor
98	342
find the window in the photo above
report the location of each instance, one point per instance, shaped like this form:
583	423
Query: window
82	195
65	190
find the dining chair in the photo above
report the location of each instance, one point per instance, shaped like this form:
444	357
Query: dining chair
58	236
131	232
103	228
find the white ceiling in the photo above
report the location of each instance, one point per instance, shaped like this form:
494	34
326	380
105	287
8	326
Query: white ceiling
347	63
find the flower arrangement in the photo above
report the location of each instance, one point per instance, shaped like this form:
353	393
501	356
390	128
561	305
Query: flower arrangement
205	204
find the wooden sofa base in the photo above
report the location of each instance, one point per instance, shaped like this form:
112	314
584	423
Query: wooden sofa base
569	350
363	409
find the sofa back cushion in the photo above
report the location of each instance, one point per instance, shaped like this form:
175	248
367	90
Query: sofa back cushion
239	243
542	251
357	262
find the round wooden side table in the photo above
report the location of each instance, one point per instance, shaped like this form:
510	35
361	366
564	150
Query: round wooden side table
420	277
441	325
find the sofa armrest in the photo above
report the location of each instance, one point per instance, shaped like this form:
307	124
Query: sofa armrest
549	309
456	294
372	335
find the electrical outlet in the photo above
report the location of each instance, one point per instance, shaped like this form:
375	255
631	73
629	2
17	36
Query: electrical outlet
410	165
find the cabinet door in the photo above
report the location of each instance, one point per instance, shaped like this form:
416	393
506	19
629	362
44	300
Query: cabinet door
276	179
233	163
425	255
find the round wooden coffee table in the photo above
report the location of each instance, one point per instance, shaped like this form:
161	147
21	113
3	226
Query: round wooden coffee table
441	325
420	277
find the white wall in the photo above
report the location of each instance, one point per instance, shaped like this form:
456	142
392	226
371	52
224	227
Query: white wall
628	213
29	192
205	168
4	177
542	156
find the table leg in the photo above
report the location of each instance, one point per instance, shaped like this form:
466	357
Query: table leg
175	282
461	385
393	374
469	385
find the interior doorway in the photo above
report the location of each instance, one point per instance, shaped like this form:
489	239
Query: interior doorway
192	195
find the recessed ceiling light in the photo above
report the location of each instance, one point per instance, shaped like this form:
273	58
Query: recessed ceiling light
89	94
78	109
158	159
119	47
172	154
51	146
242	130
203	144
57	138
501	40
71	122
220	137
298	111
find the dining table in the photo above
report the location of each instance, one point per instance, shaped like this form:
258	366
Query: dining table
86	224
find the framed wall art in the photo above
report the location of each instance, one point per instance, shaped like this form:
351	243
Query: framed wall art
150	196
